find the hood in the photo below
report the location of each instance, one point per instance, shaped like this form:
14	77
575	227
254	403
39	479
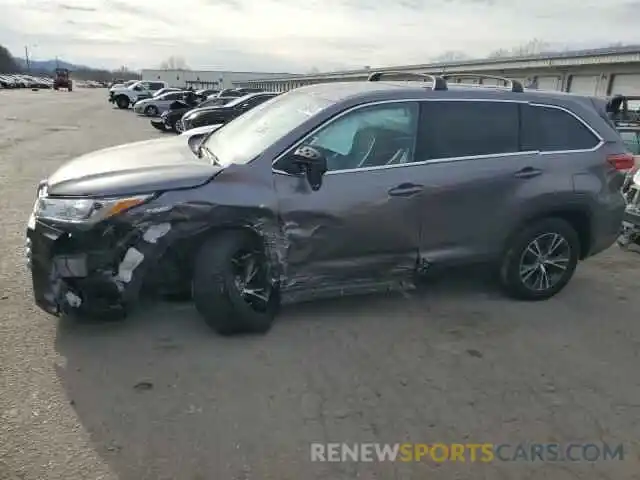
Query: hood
141	167
201	130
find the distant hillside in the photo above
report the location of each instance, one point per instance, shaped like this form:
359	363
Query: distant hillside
78	72
48	65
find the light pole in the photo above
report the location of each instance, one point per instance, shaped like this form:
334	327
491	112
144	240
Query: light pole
27	60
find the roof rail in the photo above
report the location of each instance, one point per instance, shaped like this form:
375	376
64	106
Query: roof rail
439	83
514	85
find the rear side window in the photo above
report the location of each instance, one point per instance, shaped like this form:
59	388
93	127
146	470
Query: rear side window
549	129
451	129
155	86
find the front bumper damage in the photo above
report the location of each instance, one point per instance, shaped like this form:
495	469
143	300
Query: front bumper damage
94	273
102	271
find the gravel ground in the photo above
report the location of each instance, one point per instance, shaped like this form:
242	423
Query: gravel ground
161	397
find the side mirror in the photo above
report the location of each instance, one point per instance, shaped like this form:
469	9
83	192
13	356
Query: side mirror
312	162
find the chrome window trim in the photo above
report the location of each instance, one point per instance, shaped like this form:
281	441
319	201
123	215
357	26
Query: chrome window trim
446	159
600	143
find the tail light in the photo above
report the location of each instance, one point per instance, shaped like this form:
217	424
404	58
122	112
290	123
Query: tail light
621	161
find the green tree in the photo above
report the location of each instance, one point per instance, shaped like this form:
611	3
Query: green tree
7	63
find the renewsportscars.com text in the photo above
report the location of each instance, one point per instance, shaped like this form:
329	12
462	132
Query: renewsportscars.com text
466	452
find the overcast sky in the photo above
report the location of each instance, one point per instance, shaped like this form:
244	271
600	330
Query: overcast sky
296	35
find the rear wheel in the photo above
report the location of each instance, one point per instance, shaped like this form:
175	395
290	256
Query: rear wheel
540	260
122	102
231	285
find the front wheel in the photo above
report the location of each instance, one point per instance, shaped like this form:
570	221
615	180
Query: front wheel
151	111
540	260
122	102
232	289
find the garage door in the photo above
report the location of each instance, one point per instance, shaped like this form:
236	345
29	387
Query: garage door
626	84
548	83
465	80
583	84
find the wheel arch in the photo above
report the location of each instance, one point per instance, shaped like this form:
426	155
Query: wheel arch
578	216
187	246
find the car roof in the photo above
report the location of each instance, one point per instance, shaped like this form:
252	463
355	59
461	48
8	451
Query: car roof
396	90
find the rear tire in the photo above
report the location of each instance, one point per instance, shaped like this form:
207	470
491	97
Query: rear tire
122	102
526	275
231	285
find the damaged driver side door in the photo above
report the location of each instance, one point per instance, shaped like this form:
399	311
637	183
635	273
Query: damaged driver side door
359	230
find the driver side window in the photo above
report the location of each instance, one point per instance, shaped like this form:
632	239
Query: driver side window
373	136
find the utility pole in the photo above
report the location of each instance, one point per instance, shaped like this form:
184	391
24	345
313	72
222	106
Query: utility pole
26	57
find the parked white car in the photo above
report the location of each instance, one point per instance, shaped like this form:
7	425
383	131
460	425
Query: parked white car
124	97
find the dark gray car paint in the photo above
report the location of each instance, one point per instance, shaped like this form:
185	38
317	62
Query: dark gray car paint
141	167
350	236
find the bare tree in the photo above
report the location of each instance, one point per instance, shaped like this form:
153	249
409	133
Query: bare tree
500	53
532	47
174	63
451	56
314	70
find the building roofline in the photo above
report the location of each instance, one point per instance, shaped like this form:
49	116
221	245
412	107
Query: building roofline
214	71
549	56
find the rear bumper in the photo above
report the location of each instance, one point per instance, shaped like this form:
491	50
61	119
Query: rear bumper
607	226
159	124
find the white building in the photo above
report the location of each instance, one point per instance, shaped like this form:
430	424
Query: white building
601	72
204	78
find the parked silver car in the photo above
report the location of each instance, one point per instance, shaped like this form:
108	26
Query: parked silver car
154	106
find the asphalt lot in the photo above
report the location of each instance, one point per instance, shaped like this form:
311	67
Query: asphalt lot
161	397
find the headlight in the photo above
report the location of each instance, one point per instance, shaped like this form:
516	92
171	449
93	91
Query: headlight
84	210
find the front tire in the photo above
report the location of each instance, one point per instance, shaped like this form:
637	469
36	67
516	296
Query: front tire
540	260
151	111
122	102
231	285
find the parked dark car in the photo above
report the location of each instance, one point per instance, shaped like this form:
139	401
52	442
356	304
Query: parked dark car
168	120
206	92
231	92
330	190
202	116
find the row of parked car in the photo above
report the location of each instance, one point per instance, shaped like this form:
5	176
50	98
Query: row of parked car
15	80
178	110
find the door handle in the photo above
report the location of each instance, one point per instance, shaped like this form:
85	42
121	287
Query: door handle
405	190
528	172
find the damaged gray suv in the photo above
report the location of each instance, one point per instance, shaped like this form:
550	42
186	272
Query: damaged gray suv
334	189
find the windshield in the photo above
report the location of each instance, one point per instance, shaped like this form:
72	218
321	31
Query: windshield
248	135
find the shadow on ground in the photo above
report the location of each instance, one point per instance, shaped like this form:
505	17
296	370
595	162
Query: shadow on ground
164	398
